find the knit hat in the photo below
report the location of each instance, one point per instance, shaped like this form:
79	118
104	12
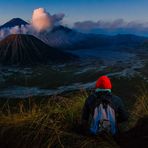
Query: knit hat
103	83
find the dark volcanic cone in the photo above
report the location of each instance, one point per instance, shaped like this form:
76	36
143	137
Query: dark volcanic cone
24	50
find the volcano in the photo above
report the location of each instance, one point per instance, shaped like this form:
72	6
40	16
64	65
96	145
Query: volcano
70	39
62	37
14	22
22	49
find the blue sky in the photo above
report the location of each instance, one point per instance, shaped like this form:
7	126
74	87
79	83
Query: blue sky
77	10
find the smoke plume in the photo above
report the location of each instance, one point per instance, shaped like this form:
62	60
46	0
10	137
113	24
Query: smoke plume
41	21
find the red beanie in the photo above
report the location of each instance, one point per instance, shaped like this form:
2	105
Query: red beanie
104	83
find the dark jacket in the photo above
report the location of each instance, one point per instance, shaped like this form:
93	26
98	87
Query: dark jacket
88	109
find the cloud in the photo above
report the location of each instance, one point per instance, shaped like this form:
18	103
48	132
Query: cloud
87	25
24	29
42	20
113	26
57	18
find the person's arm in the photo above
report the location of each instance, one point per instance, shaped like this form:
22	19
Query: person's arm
86	111
122	112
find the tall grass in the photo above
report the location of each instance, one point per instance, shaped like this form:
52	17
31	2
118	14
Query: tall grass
140	108
51	124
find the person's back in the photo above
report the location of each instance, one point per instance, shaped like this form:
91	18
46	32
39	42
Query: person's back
114	112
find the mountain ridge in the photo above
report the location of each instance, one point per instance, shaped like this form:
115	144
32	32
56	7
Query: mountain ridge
14	22
20	49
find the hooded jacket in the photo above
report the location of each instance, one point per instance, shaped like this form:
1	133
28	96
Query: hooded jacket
89	106
103	90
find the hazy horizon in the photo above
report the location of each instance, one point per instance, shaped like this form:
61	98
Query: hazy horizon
103	16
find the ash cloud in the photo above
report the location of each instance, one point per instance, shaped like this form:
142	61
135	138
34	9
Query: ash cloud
41	21
57	18
24	29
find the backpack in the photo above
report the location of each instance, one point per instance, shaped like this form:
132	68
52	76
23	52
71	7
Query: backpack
104	119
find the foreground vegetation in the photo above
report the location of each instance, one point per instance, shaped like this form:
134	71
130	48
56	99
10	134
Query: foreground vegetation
52	125
54	122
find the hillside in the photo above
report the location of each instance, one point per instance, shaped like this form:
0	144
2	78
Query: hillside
66	38
55	121
24	50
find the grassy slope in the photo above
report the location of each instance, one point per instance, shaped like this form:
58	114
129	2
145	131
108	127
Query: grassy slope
53	122
50	125
137	134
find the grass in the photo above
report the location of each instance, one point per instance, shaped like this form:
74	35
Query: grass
54	122
137	128
51	124
140	108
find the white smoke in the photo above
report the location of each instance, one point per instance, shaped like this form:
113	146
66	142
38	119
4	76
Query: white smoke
15	30
23	29
41	21
57	18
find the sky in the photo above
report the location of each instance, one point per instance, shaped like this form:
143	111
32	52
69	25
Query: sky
77	10
109	16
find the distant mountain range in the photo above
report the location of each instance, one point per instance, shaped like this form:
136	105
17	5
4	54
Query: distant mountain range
25	50
62	37
65	38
